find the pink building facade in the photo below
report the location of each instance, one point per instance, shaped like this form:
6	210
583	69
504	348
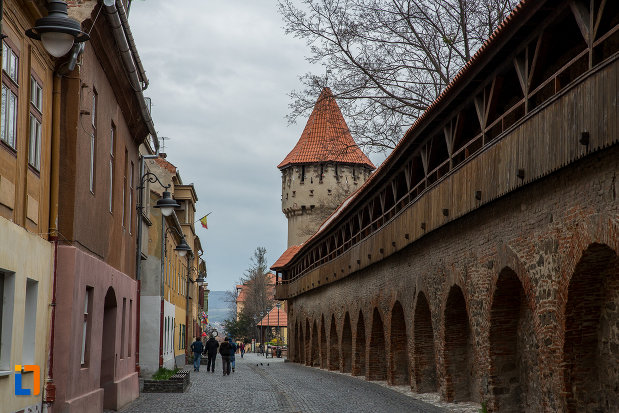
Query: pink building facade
94	349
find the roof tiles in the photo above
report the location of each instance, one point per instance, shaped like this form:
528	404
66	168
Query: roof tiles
326	137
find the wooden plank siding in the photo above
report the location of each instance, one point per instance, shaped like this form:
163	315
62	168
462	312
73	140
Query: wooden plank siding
544	140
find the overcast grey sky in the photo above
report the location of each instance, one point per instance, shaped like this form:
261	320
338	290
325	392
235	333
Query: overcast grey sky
219	73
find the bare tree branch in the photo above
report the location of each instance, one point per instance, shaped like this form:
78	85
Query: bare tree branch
385	60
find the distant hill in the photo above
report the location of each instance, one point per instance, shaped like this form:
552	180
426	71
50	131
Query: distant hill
218	308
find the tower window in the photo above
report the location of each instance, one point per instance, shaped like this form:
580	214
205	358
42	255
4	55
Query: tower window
311	192
302	173
294	193
322	172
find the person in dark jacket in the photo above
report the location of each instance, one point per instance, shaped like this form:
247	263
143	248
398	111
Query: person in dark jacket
197	347
233	348
211	353
224	350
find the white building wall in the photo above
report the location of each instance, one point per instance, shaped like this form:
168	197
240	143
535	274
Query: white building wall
169	314
150	320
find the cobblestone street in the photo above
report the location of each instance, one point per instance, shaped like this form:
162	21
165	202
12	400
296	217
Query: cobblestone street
275	386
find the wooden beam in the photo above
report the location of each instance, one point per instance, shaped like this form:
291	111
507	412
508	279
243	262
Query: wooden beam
521	71
598	19
581	13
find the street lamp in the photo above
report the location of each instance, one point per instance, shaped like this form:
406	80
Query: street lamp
57	31
166	203
201	280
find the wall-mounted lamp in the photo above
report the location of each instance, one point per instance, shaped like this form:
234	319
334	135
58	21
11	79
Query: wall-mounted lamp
57	31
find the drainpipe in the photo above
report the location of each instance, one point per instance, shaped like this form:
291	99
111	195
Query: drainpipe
128	52
50	387
161	292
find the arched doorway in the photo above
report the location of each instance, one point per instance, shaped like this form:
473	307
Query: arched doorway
458	348
346	345
510	323
108	348
377	367
358	368
334	351
398	356
591	343
423	350
323	344
315	349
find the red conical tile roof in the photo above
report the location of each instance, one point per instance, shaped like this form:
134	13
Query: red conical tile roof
326	137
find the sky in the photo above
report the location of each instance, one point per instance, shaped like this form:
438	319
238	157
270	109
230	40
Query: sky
219	73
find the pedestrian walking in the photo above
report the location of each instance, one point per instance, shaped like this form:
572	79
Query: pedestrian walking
224	350
242	347
233	348
211	353
197	347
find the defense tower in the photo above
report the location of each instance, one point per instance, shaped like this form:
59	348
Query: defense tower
322	170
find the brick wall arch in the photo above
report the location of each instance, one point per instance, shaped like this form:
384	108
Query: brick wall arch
513	346
323	343
458	352
346	345
398	347
377	365
423	347
334	350
315	349
359	358
590	373
306	343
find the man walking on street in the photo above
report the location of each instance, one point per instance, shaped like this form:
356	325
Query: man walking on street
224	350
242	346
211	353
197	347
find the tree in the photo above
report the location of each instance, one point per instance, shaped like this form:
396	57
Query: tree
386	60
240	328
258	290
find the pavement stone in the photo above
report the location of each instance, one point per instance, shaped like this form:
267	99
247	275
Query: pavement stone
270	385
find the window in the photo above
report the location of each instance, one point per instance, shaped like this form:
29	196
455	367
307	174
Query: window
10	85
112	135
34	146
131	199
93	136
7	295
30	321
36	114
302	173
86	325
125	186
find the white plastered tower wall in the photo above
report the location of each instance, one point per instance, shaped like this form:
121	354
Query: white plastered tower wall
311	192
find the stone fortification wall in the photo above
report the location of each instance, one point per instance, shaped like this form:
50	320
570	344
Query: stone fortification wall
515	304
